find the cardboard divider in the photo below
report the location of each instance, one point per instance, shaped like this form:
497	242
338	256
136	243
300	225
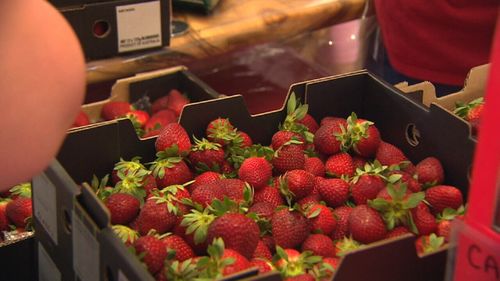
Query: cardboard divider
419	131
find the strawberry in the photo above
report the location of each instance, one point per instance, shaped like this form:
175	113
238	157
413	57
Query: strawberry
264	210
334	120
364	137
341	214
289	228
157	213
173	135
4	220
261	251
234	189
333	262
296	184
205	193
315	166
126	234
269	241
444	221
170	171
366	225
282	137
430	171
269	194
115	109
206	155
301	277
339	165
199	247
288	157
366	187
289	262
359	162
471	110
319	244
203	178
182	249
424	220
406	178
309	122
82	119
309	200
261	264
158	121
444	229
427	244
123	207
334	192
326	140
140	117
257	171
397	231
239	232
160	103
134	166
19	210
154	252
240	263
246	139
176	101
220	131
388	154
322	219
345	245
443	196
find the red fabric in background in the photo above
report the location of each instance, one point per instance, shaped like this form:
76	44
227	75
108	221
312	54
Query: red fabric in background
438	40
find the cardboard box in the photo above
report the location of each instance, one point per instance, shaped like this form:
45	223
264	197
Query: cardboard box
419	131
153	85
115	27
18	259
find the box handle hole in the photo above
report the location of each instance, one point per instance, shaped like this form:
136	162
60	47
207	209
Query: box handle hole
412	134
101	29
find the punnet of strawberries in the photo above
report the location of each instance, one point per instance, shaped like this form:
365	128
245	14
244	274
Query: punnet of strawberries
218	204
147	117
16	213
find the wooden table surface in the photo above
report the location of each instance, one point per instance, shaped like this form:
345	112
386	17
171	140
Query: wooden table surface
233	24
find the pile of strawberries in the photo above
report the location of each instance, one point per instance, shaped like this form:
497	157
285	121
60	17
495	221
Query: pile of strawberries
223	204
147	122
470	112
15	212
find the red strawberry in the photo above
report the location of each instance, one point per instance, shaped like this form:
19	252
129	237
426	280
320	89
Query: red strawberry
445	219
155	214
333	262
301	277
182	249
345	245
430	171
206	155
171	171
264	210
269	194
160	103
384	193
289	157
334	192
281	137
297	184
234	189
289	228
173	134
334	120
220	131
115	109
4	220
257	171
139	117
339	165
126	234
443	196
205	193
154	251
158	121
387	154
366	187
176	101
247	140
342	216
444	229
397	231
263	265
309	200
203	178
319	244
261	251
19	210
427	244
123	208
359	162
269	241
239	232
240	262
412	184
322	219
326	140
315	166
366	225
199	248
82	119
424	220
309	122
364	136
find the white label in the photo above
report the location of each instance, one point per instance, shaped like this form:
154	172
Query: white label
85	251
44	201
139	26
121	276
47	269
